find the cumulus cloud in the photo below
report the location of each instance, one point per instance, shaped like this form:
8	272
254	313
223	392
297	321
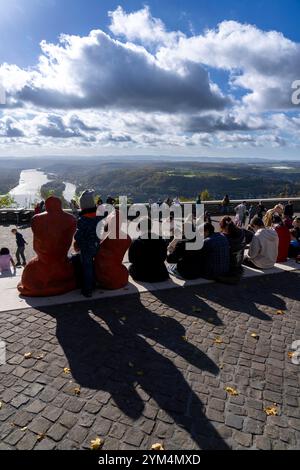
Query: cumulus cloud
142	85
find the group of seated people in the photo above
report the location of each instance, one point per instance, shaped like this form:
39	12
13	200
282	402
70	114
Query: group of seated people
99	260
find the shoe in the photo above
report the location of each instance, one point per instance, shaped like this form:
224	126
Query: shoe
18	265
88	295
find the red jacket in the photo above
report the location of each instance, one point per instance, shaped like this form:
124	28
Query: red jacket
284	242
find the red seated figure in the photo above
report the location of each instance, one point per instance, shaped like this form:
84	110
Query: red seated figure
50	273
110	271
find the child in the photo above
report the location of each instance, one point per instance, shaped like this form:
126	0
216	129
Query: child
20	247
6	261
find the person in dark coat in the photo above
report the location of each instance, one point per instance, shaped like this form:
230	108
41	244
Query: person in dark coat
211	261
238	239
147	256
289	210
87	240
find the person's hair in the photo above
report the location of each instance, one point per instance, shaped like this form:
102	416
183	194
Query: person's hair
257	222
110	200
227	223
209	228
297	219
294	233
4	251
14	230
276	219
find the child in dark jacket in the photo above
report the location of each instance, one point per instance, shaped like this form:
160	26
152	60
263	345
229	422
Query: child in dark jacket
20	253
87	240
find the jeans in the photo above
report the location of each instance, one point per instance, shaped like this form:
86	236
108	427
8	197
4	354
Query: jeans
20	254
88	271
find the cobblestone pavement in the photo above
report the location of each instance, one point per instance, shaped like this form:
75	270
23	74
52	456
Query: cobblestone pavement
146	369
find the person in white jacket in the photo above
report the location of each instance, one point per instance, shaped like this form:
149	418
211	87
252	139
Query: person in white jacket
263	249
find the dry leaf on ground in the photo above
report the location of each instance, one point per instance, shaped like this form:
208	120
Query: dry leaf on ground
218	341
271	411
97	443
28	355
67	370
157	446
77	391
231	391
255	335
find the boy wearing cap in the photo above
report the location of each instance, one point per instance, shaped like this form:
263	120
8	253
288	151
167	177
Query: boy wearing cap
87	240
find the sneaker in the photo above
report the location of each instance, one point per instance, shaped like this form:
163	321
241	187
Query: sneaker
18	265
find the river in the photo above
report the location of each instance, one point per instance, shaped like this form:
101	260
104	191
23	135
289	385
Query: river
28	190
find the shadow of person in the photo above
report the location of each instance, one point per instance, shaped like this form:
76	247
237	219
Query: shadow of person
190	303
111	352
205	301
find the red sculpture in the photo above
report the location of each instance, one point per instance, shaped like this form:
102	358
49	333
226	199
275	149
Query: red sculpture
110	271
50	273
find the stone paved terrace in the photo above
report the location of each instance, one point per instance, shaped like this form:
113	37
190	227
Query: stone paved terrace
145	368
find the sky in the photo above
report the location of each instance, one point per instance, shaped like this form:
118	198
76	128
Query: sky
163	77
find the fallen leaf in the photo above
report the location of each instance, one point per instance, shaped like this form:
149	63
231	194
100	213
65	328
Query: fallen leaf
231	391
97	443
271	411
41	356
291	354
67	370
255	335
221	366
140	373
218	341
24	429
280	312
1	404
184	338
157	446
123	318
28	355
130	364
77	391
40	437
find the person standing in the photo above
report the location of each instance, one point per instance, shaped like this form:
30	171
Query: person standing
21	243
289	210
241	214
225	205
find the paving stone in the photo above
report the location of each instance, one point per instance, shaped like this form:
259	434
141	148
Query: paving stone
56	432
234	421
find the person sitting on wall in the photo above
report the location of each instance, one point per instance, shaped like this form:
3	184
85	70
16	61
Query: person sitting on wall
238	239
147	256
284	238
210	262
277	210
294	248
263	250
51	272
110	270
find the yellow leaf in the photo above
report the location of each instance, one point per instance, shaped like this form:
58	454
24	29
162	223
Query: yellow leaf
271	411
40	437
280	312
1	404
291	354
254	335
140	373
67	370
97	443
28	355
77	391
123	318
218	341
184	338
40	357
24	429
231	391
157	446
